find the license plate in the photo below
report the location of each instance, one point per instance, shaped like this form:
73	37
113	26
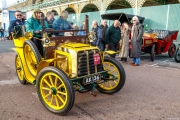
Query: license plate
96	59
92	79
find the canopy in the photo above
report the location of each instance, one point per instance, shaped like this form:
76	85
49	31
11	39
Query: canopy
122	17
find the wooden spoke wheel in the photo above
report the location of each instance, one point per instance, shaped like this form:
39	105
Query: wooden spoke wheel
19	69
32	56
117	70
55	90
172	50
177	55
153	52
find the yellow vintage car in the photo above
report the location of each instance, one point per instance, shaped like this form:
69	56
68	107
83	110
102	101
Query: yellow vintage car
68	64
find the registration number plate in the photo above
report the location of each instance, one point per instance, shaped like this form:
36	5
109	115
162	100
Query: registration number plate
92	79
96	59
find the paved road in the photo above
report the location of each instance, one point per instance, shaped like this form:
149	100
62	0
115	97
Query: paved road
151	92
5	46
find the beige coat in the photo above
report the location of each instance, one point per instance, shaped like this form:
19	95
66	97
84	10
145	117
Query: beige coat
124	44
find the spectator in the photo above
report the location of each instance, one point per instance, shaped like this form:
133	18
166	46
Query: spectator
82	27
61	23
125	42
102	31
136	38
34	26
18	21
75	27
2	32
112	37
95	28
49	18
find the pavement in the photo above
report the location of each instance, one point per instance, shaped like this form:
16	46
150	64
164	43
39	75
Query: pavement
151	92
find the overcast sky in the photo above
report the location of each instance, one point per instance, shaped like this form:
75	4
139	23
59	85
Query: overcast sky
7	1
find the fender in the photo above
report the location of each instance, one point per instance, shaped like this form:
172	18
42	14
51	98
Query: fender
107	52
110	52
46	63
167	47
27	74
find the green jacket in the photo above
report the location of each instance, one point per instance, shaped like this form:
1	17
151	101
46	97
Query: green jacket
113	35
34	25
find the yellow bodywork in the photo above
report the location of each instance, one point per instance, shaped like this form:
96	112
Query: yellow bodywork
65	57
19	50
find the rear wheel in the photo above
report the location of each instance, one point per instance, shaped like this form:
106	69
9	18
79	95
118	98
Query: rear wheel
32	56
153	52
55	90
177	55
19	69
117	70
172	50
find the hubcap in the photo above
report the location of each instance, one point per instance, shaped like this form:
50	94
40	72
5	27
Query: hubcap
111	84
54	91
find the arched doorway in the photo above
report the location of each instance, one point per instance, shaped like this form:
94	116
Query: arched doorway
118	4
55	12
89	8
70	10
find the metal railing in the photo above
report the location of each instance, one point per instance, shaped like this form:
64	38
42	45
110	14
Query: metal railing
16	3
44	4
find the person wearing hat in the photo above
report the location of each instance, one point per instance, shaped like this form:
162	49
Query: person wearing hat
61	23
34	25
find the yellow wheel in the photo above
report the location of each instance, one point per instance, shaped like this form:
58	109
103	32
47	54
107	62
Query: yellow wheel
55	90
19	69
32	56
115	70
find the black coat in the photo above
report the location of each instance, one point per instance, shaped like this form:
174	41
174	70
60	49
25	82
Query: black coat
113	35
104	29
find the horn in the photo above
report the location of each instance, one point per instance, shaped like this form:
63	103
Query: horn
28	35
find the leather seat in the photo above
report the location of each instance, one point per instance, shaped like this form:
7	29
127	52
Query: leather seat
161	34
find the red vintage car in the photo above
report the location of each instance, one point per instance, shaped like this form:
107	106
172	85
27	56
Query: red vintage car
153	41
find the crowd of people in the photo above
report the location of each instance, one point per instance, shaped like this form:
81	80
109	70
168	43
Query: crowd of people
105	37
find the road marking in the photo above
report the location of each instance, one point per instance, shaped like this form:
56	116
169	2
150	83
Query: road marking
13	49
9	82
153	65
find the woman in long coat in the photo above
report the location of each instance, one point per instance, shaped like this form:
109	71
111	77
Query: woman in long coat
125	43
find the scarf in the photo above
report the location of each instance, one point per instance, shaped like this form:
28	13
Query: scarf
132	31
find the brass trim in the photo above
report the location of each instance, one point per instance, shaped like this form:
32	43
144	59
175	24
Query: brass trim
95	65
88	69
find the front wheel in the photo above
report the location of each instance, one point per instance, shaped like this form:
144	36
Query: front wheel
115	69
55	90
177	55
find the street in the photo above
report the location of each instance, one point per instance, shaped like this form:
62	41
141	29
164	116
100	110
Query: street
151	92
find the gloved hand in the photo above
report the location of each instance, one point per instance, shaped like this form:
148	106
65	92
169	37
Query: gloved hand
106	47
37	31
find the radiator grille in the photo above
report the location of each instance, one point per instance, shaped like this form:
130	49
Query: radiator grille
86	63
